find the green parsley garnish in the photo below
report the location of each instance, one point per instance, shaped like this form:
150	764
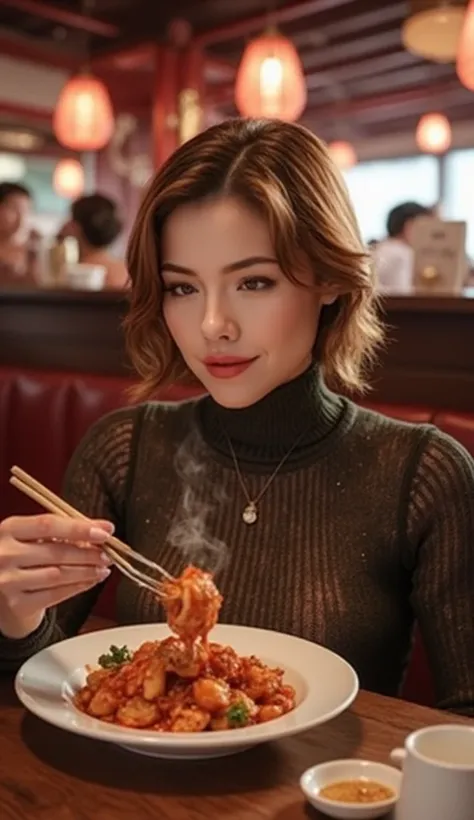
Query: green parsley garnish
238	714
115	657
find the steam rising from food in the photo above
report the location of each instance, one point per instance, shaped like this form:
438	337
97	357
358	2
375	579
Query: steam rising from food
189	531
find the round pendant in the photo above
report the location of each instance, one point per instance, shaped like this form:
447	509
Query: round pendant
250	514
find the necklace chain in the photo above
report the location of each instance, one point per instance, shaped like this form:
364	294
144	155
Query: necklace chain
250	512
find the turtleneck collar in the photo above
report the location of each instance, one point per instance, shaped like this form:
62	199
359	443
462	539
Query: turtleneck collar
302	411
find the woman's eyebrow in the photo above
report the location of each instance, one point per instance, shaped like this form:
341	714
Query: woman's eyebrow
241	264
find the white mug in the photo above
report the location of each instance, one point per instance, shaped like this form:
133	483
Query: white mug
438	774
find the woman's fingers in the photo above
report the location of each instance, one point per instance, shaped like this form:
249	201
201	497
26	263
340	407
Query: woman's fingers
44	560
50	577
56	554
46	598
46	527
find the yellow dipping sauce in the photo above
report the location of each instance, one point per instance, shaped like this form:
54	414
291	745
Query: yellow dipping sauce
357	791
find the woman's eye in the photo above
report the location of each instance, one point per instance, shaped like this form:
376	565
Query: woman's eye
180	290
257	283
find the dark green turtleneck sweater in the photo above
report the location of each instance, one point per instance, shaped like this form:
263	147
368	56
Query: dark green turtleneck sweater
369	526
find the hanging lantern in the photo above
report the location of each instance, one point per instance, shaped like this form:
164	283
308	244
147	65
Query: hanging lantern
68	178
432	29
465	55
343	154
270	79
433	134
83	119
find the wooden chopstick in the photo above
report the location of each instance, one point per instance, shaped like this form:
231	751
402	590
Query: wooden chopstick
50	501
119	561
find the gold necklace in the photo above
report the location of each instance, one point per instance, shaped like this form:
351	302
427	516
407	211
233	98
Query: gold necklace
250	512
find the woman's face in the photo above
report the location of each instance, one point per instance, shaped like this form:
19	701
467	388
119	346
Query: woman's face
242	327
15	213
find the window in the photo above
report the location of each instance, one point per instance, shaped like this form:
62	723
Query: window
376	187
459	192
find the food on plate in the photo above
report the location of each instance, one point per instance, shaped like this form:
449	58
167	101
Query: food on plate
192	603
357	791
185	683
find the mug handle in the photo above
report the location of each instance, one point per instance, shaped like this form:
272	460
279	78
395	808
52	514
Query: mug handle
397	756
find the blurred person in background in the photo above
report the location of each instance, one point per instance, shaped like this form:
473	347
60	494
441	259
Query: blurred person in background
394	257
96	225
18	241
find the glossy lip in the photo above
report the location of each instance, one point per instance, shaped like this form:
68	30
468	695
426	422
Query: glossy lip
227	367
227	361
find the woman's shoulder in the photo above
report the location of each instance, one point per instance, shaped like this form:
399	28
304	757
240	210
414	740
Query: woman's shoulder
372	424
110	448
117	429
429	454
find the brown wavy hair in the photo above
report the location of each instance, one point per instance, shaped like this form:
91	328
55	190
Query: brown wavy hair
286	173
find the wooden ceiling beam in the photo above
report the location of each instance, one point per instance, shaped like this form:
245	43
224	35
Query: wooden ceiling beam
340	53
356	24
63	17
361	25
380	106
141	57
410	77
133	55
359	70
406	122
20	48
249	25
24	112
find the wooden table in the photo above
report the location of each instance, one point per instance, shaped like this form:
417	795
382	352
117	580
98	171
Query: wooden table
47	773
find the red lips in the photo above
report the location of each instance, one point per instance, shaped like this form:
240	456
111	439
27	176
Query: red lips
227	367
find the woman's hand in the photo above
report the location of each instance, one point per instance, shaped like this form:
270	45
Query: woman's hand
46	559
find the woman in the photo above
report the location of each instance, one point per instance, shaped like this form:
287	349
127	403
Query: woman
17	241
96	225
321	519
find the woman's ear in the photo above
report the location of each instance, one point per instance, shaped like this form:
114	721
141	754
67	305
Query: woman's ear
329	298
330	293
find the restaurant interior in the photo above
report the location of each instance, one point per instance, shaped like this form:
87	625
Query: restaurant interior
95	95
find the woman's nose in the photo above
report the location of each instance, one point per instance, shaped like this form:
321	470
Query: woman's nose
218	323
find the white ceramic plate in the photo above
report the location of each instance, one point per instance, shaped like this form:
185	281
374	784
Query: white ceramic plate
325	686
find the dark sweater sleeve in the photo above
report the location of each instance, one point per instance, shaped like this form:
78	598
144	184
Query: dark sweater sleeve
95	483
441	538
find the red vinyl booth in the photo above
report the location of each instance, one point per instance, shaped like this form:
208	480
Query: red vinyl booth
43	416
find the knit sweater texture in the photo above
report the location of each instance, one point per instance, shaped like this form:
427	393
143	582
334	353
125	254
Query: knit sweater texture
367	528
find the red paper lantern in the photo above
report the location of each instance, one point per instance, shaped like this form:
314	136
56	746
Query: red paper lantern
343	154
68	178
270	80
433	134
465	57
83	119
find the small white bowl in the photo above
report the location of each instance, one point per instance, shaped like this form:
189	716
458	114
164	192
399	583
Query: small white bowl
316	778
